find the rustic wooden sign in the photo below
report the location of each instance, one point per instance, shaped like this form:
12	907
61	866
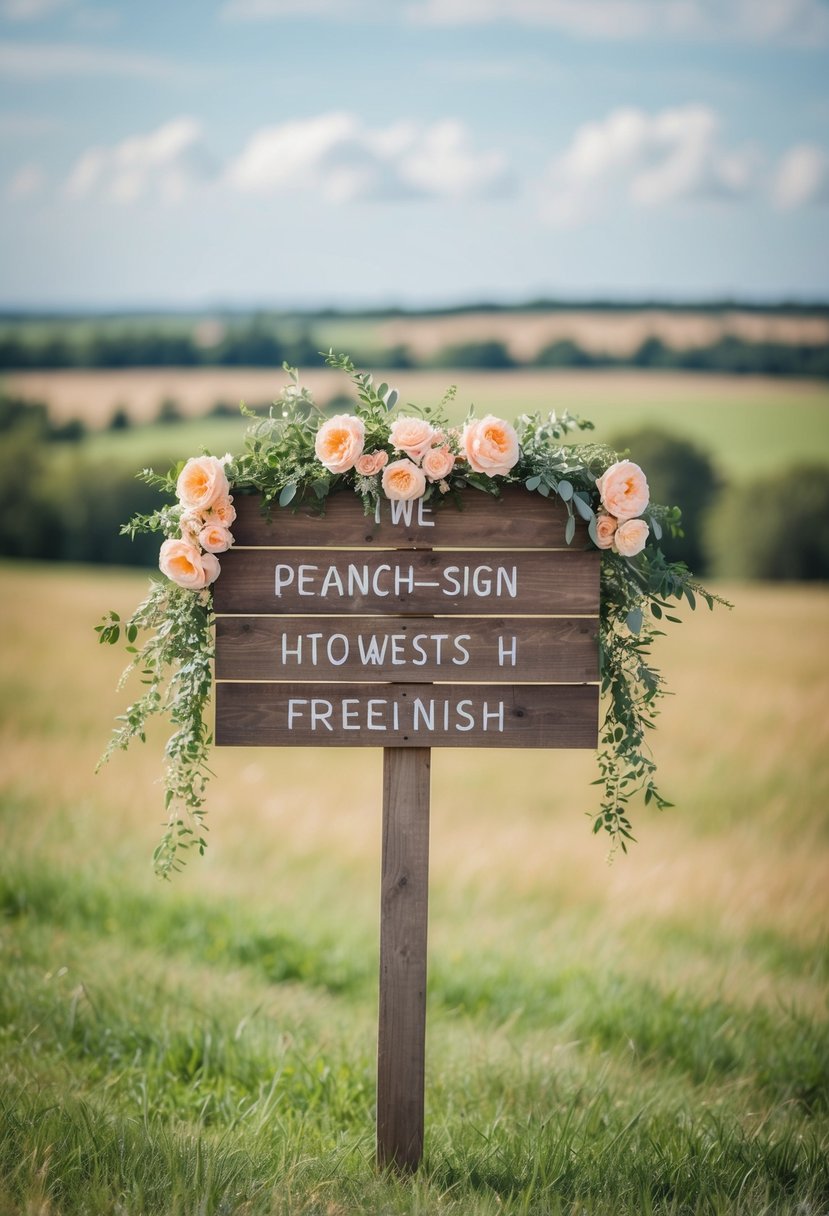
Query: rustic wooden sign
411	629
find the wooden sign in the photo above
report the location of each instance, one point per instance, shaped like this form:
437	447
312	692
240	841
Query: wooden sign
410	629
407	615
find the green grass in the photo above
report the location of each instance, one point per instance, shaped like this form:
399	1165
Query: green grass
750	425
649	1037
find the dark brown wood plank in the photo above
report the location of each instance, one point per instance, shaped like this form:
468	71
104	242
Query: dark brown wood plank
404	895
549	650
406	715
518	519
495	583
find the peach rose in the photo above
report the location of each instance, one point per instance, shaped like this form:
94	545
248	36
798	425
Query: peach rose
223	511
215	538
403	479
630	537
339	442
412	435
371	462
183	563
624	490
490	445
606	526
438	463
202	482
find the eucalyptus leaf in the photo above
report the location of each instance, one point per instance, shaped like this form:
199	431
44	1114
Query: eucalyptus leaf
565	490
570	529
633	620
392	399
287	494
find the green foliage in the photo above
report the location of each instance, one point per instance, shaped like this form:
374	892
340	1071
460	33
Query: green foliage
174	665
678	471
774	527
489	353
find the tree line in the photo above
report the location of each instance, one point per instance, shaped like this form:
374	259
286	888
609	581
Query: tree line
258	344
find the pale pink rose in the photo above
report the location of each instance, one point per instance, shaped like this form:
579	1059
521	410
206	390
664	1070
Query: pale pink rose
631	537
371	462
438	463
339	442
222	512
624	490
403	479
215	538
185	565
413	436
490	445
202	482
606	526
211	567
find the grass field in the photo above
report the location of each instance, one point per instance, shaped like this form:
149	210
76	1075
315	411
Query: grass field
649	1037
751	424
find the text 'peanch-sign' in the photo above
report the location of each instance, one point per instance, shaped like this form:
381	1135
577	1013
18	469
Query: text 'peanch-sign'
417	627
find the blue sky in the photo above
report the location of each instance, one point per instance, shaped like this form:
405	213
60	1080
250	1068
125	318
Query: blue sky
312	152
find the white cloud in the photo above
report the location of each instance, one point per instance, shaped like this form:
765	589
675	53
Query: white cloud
340	158
28	180
648	159
802	177
798	22
30	10
43	61
167	162
277	10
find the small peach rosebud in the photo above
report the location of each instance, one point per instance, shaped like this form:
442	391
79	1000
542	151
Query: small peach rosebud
606	526
202	482
414	436
438	463
631	537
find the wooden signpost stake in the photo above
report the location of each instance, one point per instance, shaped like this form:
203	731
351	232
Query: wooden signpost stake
411	630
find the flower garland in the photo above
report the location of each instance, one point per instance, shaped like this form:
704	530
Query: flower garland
290	457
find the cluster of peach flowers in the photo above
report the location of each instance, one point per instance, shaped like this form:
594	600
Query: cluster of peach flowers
625	495
207	512
487	445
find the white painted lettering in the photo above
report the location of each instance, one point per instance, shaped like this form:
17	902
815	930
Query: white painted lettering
321	711
401	577
341	638
464	713
439	639
398	654
508	581
284	577
507	651
459	646
358	578
372	652
305	576
422	510
401	509
418	646
349	713
481	585
494	713
419	711
375	582
374	708
332	579
454	587
294	711
294	653
313	638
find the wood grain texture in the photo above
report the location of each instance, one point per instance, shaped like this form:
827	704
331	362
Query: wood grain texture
404	893
550	650
494	583
406	715
517	520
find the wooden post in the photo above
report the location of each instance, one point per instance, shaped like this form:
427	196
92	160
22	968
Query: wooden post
401	1042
